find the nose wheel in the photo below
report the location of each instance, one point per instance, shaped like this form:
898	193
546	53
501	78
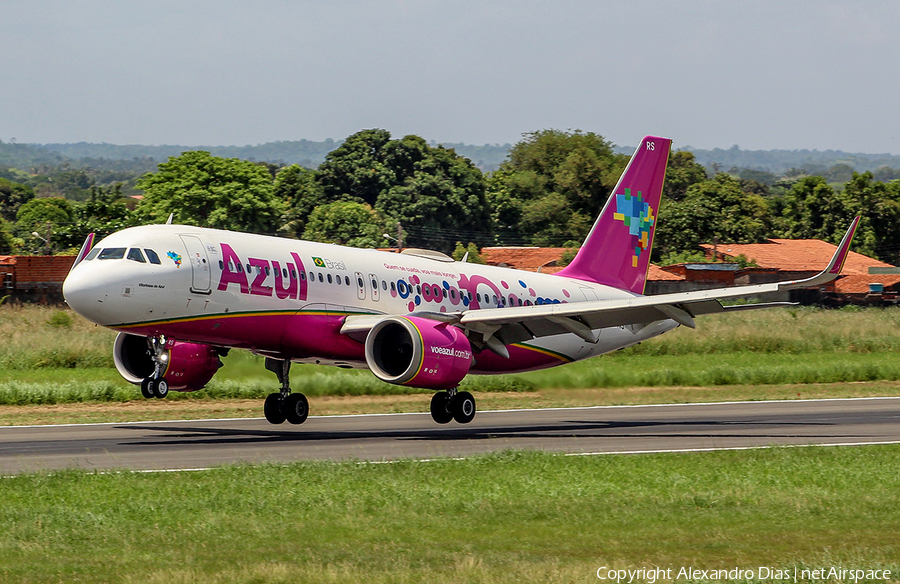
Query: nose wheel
156	385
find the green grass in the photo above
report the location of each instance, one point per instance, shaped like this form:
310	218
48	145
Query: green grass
49	358
510	517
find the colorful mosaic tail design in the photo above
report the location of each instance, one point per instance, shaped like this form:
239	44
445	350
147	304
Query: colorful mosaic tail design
617	250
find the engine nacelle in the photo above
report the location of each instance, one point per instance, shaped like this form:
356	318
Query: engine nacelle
188	366
418	352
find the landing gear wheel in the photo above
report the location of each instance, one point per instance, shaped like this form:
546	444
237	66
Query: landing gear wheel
272	408
440	408
296	408
463	407
146	389
160	388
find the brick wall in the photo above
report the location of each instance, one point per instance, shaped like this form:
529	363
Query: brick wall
41	271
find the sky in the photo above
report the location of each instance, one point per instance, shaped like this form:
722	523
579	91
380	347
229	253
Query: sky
816	74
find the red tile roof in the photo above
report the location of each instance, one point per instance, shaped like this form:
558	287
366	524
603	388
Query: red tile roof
522	258
532	258
655	274
795	255
859	284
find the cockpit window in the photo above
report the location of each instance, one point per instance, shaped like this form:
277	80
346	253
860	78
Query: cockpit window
135	255
112	253
151	255
93	254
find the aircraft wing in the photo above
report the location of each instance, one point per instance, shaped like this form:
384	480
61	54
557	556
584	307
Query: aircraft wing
521	323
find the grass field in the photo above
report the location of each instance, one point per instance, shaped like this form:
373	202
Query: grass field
53	357
512	517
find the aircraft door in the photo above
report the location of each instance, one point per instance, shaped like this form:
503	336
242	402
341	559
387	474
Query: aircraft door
200	272
373	280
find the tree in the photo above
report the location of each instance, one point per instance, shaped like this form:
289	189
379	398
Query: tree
44	217
201	189
7	241
715	209
438	196
878	204
435	193
357	170
296	187
553	185
12	196
472	250
682	172
104	212
812	210
346	223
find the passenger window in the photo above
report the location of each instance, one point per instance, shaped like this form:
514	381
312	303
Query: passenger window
135	255
221	265
93	254
112	253
303	276
383	285
392	287
268	272
151	255
284	272
329	278
321	279
347	281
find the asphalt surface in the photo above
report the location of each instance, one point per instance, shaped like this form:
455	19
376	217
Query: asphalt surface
208	443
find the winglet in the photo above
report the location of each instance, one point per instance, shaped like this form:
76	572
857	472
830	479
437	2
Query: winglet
834	266
85	249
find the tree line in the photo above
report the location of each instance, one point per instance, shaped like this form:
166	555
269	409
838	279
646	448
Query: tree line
375	190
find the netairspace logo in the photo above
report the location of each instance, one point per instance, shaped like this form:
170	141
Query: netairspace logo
833	574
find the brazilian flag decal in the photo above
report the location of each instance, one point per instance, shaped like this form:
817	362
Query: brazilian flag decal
319	262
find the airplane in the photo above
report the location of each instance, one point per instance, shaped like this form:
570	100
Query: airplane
182	296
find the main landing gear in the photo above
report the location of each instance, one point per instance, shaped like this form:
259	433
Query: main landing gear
155	384
284	405
453	405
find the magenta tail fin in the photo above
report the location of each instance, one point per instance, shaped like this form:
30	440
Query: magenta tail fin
617	250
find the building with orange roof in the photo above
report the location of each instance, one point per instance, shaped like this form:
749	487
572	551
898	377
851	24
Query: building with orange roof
792	259
546	259
792	256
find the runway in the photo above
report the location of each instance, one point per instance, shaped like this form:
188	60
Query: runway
623	429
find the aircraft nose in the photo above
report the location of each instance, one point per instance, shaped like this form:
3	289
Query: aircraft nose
85	294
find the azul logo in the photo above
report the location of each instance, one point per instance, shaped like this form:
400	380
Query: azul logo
638	217
175	258
284	280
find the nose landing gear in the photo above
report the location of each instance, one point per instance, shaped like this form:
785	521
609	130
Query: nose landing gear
285	405
155	384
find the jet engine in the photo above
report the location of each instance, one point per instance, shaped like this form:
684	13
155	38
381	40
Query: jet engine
186	366
418	352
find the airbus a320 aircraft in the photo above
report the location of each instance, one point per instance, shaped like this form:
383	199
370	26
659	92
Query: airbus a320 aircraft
182	296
